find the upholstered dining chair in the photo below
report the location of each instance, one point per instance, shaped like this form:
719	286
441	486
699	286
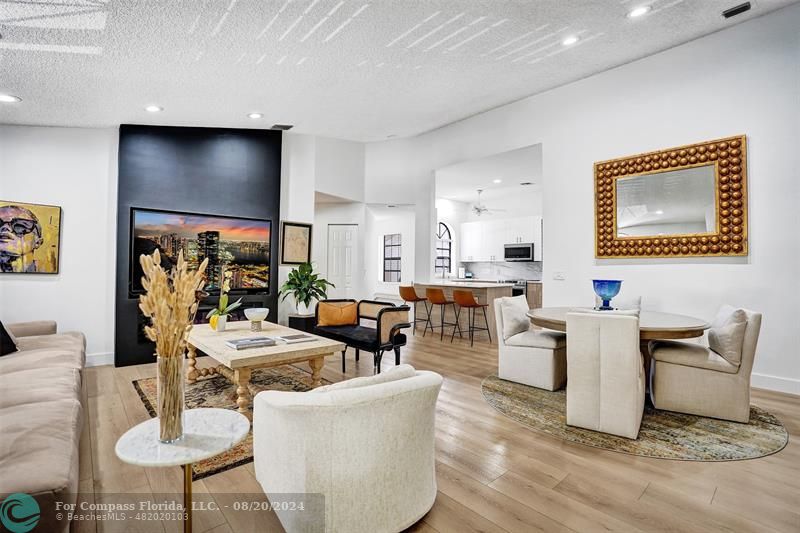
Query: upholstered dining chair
526	355
605	375
709	380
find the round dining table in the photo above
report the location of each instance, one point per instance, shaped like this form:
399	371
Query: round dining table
653	325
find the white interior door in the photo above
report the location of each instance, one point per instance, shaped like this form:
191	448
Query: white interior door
342	259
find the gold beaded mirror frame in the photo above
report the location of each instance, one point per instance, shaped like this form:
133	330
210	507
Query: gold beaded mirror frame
640	212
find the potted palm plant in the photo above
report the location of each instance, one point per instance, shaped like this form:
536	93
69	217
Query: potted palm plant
305	286
218	317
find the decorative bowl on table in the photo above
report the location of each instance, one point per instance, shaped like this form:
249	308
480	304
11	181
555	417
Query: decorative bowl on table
256	315
606	289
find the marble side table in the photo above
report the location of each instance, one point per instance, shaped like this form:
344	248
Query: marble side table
206	432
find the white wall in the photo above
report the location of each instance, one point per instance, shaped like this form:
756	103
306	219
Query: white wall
76	169
298	172
378	224
340	168
741	80
310	164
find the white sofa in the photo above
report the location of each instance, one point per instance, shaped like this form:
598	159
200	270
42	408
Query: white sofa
532	357
606	382
366	445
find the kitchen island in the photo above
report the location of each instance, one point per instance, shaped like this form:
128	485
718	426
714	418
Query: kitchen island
485	292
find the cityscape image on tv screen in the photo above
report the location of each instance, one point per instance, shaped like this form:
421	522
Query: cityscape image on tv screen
236	245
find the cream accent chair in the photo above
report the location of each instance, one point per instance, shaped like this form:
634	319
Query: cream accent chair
605	375
692	378
532	357
366	445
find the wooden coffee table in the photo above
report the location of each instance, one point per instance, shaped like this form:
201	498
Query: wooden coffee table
237	365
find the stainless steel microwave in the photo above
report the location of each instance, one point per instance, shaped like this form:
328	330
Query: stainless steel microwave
519	252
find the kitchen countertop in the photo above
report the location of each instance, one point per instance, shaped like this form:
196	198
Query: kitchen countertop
465	284
483	280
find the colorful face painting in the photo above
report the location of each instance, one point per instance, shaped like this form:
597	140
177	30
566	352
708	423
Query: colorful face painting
29	238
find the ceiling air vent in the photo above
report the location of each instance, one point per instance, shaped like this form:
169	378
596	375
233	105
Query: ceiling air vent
738	10
283	127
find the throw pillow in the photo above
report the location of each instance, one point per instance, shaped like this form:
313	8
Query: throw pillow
515	319
726	335
8	343
337	314
723	315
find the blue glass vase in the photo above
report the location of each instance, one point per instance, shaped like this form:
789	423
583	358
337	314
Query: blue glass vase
606	289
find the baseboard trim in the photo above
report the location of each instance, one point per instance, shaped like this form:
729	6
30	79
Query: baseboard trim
99	359
775	383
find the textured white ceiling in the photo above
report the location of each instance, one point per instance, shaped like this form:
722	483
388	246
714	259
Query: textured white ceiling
460	182
355	69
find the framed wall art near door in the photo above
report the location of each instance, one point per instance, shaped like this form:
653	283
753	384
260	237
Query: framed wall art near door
30	236
295	243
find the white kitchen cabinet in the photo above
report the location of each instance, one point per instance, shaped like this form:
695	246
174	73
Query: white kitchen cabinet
485	240
494	239
472	242
522	230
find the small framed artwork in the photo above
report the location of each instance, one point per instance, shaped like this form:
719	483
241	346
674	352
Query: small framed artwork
295	243
30	236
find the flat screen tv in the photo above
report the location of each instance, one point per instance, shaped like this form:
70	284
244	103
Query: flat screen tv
231	244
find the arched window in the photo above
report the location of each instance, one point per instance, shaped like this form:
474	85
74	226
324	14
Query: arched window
444	249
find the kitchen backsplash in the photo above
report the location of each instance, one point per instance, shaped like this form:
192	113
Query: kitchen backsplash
505	270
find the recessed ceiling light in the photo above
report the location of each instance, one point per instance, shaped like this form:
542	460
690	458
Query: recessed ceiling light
254	115
572	39
659	212
497	181
153	109
9	98
638	11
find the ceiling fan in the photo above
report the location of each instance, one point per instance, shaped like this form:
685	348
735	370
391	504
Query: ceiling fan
480	209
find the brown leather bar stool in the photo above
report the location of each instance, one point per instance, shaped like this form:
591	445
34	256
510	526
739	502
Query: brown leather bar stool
410	296
437	297
466	300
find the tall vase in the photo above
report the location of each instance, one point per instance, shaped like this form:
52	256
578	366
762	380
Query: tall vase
170	398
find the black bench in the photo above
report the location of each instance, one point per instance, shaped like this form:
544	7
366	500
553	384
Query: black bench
386	335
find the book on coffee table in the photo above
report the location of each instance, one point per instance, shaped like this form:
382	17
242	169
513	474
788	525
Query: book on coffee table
250	342
295	338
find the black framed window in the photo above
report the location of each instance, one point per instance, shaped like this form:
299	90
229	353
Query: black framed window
444	249
391	257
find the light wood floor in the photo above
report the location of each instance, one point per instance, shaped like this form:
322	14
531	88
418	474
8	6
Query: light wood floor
493	474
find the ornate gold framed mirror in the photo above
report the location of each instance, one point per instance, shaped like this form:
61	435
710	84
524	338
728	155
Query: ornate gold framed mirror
679	202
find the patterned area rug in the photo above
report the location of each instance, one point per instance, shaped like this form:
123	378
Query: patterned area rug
663	434
219	392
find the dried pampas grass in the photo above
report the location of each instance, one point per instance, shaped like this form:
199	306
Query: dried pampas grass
170	302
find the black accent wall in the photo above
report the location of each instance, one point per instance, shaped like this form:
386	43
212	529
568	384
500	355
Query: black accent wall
214	171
